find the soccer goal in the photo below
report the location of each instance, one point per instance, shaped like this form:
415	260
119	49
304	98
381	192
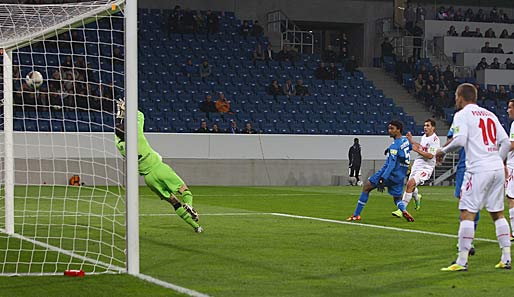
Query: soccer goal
62	180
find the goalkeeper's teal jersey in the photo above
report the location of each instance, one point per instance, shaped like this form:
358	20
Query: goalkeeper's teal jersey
147	157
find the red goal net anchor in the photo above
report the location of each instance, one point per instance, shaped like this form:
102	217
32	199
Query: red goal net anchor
71	272
75	180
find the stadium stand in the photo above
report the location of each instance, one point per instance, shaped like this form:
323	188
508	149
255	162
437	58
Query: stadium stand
170	99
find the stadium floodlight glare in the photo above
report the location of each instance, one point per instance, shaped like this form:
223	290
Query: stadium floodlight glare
63	201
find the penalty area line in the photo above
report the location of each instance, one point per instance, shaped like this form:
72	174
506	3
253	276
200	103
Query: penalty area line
171	286
376	226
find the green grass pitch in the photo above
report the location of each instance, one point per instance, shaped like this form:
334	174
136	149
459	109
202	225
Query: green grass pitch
246	250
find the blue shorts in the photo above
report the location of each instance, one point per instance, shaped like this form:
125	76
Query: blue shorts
459	178
394	189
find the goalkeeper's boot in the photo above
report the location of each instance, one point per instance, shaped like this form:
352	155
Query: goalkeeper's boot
407	216
354	218
397	213
199	229
502	265
418	202
455	267
191	211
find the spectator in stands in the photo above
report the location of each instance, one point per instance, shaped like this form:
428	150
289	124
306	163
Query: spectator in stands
343	42
459	16
257	29
495	64
244	30
502	94
208	106
117	56
387	49
351	65
466	32
419	84
451	13
248	129
442	84
333	71
289	89
268	54
504	34
449	77
469	15
199	22
205	70
410	17
188	22
417	43
452	32
321	72
436	72
504	18
223	105
274	89
211	21
512	35
490	33
232	129
402	67
478	33
441	102
420	13
343	56
215	128
494	16
203	128
423	71
441	14
482	65
499	49
174	20
480	16
480	92
486	48
432	83
301	89
508	64
189	69
258	54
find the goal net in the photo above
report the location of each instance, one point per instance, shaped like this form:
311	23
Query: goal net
62	196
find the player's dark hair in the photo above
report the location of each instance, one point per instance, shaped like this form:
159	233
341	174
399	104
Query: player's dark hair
431	121
356	140
511	101
468	92
397	124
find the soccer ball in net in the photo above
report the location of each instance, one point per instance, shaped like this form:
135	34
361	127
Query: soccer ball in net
34	79
359	183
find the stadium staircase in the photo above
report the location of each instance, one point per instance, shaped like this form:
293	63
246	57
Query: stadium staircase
401	97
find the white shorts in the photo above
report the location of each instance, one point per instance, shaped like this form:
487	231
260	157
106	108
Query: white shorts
509	184
483	189
421	175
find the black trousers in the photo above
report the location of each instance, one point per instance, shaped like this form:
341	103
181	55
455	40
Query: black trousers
354	171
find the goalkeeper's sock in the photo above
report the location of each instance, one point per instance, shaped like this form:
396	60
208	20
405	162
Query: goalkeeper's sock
187	197
181	212
415	194
477	218
361	203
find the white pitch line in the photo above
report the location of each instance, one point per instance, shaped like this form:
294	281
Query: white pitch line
144	215
167	285
377	226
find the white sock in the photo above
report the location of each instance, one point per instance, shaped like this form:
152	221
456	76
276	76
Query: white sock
406	198
466	235
415	194
503	235
511	216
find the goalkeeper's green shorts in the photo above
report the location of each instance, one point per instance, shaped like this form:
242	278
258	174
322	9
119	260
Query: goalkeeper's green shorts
163	180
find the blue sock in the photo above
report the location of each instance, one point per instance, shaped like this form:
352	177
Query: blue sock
477	218
400	205
361	203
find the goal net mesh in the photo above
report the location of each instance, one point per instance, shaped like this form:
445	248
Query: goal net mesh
69	205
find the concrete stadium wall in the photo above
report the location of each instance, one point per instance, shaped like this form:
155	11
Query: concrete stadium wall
201	159
359	12
472	44
496	77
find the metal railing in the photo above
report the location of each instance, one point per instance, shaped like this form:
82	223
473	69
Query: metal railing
291	34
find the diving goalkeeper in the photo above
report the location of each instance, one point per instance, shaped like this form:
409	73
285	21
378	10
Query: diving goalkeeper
159	177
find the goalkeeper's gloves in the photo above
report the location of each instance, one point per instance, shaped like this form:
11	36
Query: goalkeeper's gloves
120	103
381	184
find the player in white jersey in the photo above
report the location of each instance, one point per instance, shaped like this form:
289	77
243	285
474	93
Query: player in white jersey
509	183
486	144
423	166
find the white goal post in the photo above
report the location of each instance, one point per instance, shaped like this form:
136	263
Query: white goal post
70	201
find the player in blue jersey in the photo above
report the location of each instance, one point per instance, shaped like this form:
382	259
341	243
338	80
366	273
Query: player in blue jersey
391	175
459	178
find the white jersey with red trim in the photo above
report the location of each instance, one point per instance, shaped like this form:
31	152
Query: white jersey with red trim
482	132
510	157
428	144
